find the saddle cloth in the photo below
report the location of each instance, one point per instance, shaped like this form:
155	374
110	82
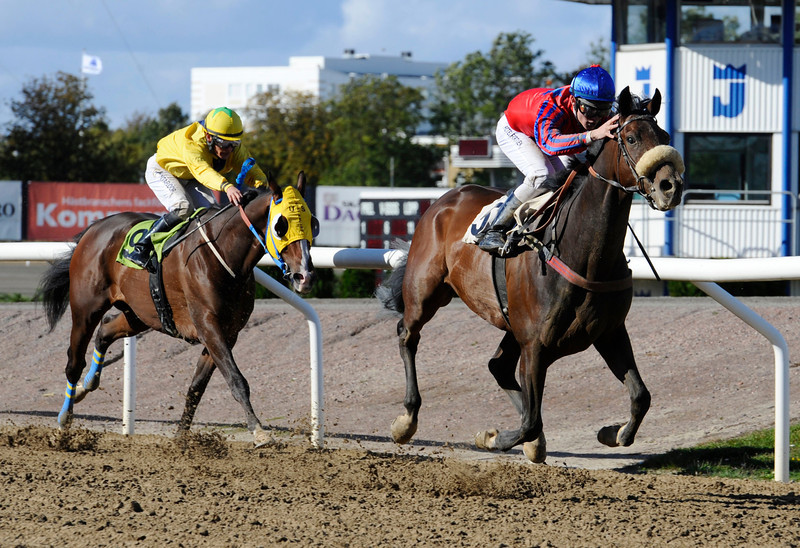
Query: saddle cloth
489	213
159	239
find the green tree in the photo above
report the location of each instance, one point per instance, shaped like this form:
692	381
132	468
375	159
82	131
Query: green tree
288	133
131	146
57	134
599	54
471	94
372	122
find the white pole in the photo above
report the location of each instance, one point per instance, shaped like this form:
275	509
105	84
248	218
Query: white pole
315	344
781	351
129	389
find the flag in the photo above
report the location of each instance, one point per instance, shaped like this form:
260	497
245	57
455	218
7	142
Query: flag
91	64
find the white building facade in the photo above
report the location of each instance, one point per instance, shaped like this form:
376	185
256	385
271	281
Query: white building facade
728	72
320	76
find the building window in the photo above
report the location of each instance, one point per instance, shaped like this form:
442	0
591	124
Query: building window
728	167
643	21
731	21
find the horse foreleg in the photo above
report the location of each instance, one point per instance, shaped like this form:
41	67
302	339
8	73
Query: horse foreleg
532	374
202	374
617	352
503	367
404	426
220	353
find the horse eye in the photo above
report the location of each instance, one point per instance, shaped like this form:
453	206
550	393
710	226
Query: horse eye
631	140
314	226
280	226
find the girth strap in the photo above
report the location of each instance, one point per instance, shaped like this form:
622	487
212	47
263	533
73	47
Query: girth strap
160	300
499	283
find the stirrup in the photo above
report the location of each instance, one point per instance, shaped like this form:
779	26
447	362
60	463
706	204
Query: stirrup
139	255
493	241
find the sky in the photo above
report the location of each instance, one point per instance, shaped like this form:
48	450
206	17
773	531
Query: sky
148	47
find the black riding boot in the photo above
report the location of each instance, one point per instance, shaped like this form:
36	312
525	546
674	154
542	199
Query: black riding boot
494	240
142	249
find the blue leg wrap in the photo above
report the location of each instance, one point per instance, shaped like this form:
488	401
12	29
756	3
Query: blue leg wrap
92	379
66	409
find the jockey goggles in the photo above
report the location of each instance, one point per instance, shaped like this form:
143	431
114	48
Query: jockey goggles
593	110
224	144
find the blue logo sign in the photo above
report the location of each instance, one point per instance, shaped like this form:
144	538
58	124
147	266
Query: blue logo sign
736	77
643	76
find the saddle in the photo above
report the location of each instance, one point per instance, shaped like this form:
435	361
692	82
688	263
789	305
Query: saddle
163	243
532	219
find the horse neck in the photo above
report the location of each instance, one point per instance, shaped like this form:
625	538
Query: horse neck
238	246
594	230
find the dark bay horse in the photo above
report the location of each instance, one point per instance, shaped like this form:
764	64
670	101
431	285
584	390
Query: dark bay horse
548	315
208	282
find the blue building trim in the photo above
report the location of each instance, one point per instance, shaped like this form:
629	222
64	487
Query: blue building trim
786	137
669	113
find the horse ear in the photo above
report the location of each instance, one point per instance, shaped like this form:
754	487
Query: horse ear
273	185
625	101
655	103
301	183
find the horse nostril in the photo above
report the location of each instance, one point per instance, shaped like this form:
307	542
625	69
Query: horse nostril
666	186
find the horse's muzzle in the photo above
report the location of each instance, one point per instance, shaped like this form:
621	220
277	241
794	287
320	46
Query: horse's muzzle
303	282
667	188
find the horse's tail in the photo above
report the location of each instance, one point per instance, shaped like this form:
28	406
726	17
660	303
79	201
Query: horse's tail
54	286
54	289
390	292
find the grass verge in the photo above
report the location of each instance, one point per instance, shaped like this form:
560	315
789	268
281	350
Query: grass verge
751	456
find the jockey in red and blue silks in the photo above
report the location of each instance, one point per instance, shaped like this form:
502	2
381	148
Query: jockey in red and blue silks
542	124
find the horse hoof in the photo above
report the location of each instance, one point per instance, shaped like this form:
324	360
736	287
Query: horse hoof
536	450
403	429
80	393
486	439
608	435
261	437
64	421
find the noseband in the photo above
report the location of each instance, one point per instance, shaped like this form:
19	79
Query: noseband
644	185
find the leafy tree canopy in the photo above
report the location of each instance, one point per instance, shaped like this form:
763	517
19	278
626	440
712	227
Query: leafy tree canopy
372	122
288	133
471	94
57	134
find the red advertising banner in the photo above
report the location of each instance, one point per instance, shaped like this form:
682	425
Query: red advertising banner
58	211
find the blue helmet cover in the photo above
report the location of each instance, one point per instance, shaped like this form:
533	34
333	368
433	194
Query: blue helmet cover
593	84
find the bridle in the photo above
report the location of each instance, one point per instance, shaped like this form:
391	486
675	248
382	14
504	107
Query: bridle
644	185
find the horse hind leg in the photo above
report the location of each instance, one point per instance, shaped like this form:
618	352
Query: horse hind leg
83	326
617	352
111	329
405	426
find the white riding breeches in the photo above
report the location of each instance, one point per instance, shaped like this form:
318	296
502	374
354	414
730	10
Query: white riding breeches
534	164
181	196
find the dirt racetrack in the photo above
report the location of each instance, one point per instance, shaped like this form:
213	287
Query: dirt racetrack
709	374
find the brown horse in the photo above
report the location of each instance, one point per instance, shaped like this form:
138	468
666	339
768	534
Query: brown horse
549	315
208	282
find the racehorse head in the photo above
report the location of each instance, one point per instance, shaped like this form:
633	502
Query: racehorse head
655	168
290	230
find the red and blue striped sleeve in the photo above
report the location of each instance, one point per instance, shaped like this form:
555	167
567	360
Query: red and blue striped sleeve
556	131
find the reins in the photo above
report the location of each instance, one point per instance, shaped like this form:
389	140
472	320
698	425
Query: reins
275	257
641	180
546	254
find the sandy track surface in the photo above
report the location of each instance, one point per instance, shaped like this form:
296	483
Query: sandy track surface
710	376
